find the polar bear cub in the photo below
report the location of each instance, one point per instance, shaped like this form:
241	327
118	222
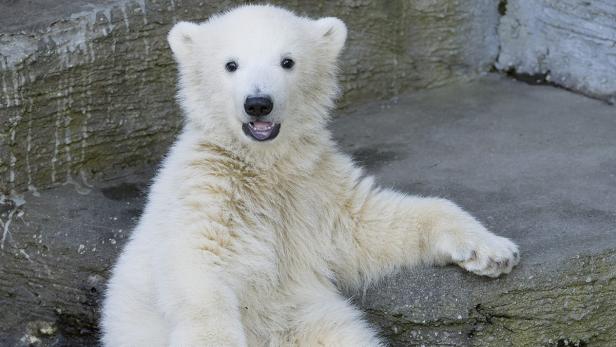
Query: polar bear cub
256	219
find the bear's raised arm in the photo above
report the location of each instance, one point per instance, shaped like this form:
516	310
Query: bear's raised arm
391	229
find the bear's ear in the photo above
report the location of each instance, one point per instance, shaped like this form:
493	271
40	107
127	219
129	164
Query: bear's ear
333	32
182	38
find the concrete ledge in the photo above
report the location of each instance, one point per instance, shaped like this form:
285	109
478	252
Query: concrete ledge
568	305
533	163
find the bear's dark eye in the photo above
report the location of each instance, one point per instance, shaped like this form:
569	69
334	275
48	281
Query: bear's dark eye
287	63
231	66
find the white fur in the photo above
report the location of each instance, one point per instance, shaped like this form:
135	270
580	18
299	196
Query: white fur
246	243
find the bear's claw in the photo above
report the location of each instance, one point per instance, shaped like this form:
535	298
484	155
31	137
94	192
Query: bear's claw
492	257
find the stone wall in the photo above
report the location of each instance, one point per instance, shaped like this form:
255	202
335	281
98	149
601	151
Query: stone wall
88	87
571	43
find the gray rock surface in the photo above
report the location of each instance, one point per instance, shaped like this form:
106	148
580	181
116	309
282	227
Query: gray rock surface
88	86
536	164
570	42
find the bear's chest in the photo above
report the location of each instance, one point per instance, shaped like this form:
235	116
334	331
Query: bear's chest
283	234
278	224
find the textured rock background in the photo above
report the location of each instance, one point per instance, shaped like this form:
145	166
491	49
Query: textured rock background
572	43
88	87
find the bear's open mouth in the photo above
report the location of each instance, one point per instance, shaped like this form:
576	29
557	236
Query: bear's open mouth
260	130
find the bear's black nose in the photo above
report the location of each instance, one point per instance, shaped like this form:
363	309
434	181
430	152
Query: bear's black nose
258	106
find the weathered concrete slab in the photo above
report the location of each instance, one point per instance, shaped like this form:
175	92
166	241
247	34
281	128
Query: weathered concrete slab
571	43
88	86
537	164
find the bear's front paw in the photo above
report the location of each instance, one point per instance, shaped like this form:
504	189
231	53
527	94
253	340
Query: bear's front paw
491	256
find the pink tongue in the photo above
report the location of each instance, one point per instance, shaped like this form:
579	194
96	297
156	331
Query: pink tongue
260	125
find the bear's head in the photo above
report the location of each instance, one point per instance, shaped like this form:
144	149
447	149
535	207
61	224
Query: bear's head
258	74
